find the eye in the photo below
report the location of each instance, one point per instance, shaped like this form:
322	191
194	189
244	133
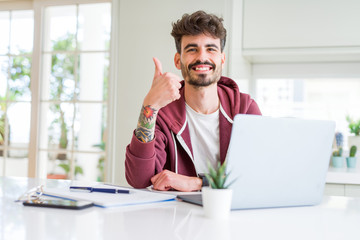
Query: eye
191	50
212	49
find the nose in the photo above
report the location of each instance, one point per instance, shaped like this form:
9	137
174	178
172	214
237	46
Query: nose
202	55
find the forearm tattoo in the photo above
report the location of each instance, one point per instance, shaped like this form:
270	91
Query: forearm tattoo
146	125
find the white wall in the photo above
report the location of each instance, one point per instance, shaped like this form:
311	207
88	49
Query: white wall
144	32
301	31
301	23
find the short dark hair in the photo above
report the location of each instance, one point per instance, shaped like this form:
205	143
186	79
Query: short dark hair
197	23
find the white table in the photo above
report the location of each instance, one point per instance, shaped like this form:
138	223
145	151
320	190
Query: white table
335	218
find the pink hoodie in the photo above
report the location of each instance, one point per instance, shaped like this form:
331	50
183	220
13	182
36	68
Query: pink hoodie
171	148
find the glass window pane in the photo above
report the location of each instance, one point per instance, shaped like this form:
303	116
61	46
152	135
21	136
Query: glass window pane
4	68
1	162
94	32
22	32
91	166
93	76
59	83
275	96
17	163
4	32
60	28
89	127
19	84
328	99
56	169
21	154
19	115
3	123
58	119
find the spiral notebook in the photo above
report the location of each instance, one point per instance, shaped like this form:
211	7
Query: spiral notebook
105	200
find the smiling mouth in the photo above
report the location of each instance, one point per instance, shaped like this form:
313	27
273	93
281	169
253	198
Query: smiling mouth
202	68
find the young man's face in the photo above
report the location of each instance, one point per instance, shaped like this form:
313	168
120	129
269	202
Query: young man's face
201	60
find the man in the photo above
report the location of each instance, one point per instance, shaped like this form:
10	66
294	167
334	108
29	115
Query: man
183	125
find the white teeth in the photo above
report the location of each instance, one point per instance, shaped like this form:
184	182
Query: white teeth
201	68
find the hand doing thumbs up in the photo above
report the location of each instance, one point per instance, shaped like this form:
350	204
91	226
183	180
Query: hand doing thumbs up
158	67
164	89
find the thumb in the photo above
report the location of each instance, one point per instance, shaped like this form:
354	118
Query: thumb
158	67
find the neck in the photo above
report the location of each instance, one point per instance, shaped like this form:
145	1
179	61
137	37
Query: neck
203	100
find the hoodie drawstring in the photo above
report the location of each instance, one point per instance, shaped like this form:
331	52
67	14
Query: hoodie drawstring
175	148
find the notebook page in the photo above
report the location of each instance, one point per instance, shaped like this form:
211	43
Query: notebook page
109	199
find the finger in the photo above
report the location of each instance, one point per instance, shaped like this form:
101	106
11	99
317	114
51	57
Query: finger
162	185
175	79
160	181
155	178
178	85
158	67
177	97
157	185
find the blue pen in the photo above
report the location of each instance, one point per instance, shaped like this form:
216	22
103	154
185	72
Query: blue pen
94	189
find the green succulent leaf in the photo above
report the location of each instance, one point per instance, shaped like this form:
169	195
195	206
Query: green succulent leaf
217	177
212	172
222	180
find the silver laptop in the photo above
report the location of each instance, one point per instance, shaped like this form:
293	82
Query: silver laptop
277	162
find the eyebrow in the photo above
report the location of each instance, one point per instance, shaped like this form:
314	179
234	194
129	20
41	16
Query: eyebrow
195	45
190	45
212	45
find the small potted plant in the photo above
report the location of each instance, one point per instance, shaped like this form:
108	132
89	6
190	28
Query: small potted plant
354	128
337	158
351	160
217	197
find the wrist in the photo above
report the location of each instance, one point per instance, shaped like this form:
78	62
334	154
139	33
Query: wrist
148	103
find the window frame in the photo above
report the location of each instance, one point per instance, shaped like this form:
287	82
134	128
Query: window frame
305	70
35	168
12	7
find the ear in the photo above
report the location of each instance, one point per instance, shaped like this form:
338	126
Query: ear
222	58
177	61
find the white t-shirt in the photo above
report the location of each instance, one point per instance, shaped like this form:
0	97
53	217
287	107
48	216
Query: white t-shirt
204	134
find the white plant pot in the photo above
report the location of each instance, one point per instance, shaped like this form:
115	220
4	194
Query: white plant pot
216	202
354	140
